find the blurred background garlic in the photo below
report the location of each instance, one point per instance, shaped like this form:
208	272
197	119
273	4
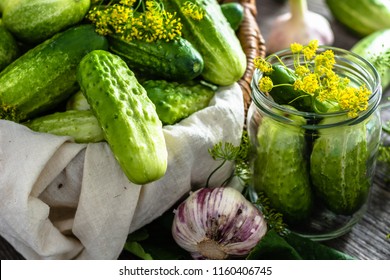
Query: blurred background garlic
299	25
216	223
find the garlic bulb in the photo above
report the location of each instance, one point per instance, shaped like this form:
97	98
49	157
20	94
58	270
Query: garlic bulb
215	223
298	26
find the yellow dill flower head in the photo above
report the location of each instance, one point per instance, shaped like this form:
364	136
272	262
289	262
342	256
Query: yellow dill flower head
302	70
296	47
310	50
263	65
265	84
123	20
309	84
314	76
324	62
192	10
127	3
354	100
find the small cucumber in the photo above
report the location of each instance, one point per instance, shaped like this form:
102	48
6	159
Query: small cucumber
224	59
126	115
45	76
286	95
9	49
175	101
234	13
82	126
338	167
281	170
174	60
33	21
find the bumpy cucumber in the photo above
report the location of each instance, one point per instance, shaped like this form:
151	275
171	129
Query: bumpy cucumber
126	115
338	167
376	49
45	76
224	58
33	21
82	126
174	60
9	49
175	101
281	170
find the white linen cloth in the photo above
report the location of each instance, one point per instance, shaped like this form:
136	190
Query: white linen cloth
63	200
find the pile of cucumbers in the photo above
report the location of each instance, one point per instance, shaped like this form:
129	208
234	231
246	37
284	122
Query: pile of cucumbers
50	55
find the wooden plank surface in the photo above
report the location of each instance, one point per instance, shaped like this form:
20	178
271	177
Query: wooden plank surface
367	240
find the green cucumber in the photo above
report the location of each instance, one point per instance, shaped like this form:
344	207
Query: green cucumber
175	101
175	60
363	17
9	49
82	126
126	115
224	59
45	76
376	49
286	95
338	167
234	13
33	21
281	170
77	102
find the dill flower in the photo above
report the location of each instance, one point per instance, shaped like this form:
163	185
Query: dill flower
310	50
193	10
354	100
266	84
296	47
315	77
263	65
146	20
309	84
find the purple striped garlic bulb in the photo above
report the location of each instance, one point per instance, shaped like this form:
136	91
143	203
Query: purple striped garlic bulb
216	223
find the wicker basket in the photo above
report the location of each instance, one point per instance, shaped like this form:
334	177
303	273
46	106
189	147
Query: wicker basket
252	43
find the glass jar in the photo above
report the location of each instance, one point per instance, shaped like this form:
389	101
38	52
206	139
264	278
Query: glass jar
316	169
383	164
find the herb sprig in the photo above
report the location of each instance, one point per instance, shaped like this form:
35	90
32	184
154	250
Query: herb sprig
225	151
131	20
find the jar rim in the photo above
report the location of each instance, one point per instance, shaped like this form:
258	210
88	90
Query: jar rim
375	85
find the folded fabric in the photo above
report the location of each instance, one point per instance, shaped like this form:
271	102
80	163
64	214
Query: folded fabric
63	200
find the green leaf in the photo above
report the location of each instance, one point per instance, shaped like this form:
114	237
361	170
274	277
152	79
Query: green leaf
136	249
293	247
155	241
273	247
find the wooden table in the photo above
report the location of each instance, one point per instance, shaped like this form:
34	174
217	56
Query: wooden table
367	240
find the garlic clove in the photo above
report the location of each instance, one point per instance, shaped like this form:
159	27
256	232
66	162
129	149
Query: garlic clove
298	26
217	223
